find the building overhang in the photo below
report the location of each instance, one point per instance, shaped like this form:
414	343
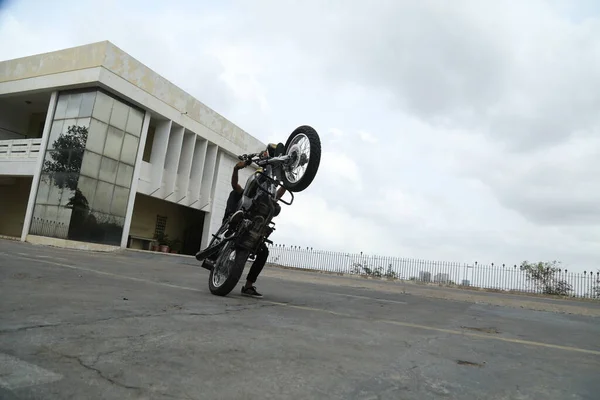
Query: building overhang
105	65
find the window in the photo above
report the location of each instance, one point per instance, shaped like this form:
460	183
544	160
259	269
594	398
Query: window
88	168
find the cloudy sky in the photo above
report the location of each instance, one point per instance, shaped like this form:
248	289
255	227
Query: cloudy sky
458	131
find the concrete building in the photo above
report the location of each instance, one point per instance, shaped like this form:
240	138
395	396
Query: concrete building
98	151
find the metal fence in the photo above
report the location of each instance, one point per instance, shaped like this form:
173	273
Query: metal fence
493	276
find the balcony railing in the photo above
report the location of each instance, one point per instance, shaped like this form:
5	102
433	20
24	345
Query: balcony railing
24	149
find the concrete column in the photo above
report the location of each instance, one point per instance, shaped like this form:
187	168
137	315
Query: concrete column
210	164
185	165
208	184
215	178
197	171
135	180
35	181
206	230
172	160
159	153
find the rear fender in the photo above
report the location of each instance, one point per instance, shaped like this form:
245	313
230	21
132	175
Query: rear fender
210	251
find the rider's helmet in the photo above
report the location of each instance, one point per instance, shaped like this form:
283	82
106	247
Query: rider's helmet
275	149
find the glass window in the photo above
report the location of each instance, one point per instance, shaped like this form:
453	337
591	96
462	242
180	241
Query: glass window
77	197
56	161
106	228
108	170
103	197
48	222
83	123
63	161
87	187
73	105
75	160
63	187
66	195
134	122
48	164
62	217
118	117
87	104
124	175
55	131
91	164
43	189
130	147
39	211
51	212
119	201
96	136
103	107
55	193
68	123
51	217
64	130
114	143
61	106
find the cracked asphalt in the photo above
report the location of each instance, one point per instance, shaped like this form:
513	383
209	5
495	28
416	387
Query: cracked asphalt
130	325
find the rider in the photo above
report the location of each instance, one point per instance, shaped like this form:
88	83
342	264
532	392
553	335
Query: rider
263	252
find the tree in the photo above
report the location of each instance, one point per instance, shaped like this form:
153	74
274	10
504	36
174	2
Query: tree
390	273
545	275
62	168
66	157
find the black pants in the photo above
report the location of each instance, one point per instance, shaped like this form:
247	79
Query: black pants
259	262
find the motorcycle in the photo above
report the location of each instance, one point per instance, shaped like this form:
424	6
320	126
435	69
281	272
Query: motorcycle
242	234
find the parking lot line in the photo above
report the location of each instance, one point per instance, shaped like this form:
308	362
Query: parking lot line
17	374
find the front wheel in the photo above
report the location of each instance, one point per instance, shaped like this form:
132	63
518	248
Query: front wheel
227	270
304	148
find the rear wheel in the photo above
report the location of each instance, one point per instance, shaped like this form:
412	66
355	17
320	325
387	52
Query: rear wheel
304	148
228	269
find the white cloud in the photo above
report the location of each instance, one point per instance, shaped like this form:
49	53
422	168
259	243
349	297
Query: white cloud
340	172
477	121
336	132
242	72
367	137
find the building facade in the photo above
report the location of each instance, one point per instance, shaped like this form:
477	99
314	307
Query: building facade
98	151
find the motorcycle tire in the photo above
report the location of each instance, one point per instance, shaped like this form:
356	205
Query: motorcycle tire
235	273
313	162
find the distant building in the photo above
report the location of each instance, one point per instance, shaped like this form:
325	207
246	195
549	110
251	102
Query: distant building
425	276
98	151
441	278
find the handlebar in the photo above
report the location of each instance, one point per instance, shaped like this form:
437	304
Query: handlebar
246	157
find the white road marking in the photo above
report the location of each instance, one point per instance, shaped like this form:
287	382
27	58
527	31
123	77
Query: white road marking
340	314
369	298
16	373
42	256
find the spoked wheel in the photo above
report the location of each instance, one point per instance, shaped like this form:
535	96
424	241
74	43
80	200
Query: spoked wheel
304	148
228	269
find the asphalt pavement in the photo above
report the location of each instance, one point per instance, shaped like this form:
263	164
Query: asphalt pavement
131	325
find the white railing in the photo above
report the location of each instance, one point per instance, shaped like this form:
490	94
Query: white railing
20	149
